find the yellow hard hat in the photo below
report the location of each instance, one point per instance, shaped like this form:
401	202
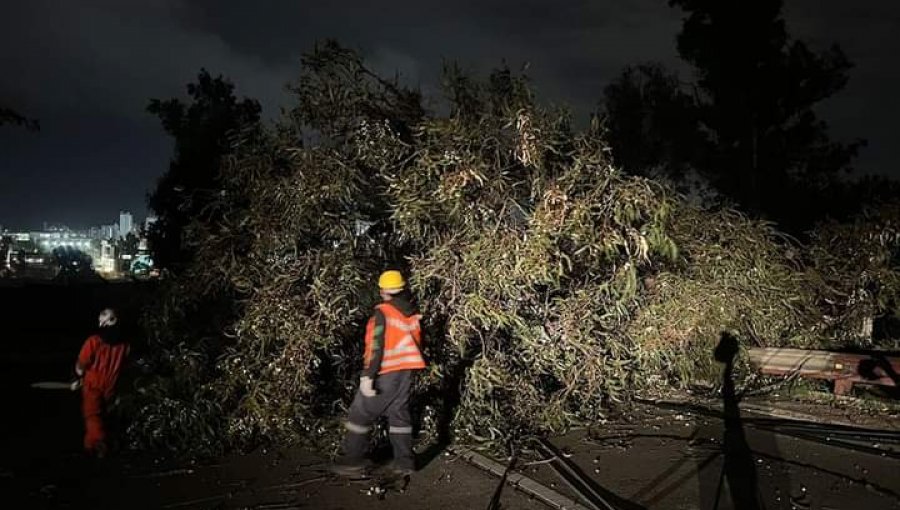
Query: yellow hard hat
391	281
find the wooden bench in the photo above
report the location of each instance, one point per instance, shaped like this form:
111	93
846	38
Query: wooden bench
845	369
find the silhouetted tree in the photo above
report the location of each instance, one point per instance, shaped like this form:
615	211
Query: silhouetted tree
128	245
653	122
759	88
71	263
10	116
203	132
748	123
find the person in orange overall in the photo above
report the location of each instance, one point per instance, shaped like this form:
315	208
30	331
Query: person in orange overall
99	364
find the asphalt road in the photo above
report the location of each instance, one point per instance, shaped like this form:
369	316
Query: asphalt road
643	457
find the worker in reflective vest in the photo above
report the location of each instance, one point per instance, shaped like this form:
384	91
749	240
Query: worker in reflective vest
392	355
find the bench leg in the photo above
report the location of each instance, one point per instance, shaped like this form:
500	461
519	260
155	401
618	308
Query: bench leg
843	386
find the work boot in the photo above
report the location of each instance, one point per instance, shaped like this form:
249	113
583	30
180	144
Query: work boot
101	450
97	450
349	467
401	471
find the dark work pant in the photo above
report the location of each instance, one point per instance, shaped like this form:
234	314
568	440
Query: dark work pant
392	401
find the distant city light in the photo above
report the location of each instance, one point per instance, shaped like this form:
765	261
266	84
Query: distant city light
100	243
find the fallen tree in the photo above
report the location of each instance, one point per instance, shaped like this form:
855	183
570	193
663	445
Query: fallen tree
551	283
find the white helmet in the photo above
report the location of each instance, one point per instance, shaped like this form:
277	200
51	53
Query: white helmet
108	318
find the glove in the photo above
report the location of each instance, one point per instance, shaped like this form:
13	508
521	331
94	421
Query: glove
367	386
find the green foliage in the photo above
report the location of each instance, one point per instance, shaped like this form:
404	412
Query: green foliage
551	283
858	265
737	275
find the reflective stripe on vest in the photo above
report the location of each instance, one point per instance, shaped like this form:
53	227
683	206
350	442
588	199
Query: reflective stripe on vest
402	339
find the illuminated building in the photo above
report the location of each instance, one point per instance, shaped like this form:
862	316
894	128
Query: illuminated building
126	223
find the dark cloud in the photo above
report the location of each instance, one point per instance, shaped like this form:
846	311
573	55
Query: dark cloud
572	48
86	70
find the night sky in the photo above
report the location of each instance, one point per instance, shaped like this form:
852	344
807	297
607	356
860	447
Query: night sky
86	70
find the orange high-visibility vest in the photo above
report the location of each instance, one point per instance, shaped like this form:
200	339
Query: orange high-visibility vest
402	341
